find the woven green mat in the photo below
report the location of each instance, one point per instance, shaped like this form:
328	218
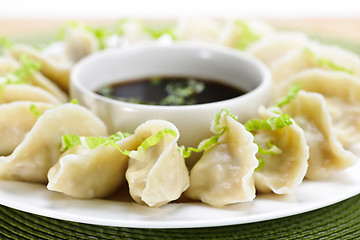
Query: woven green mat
338	221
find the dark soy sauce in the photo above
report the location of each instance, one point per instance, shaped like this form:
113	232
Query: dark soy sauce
171	91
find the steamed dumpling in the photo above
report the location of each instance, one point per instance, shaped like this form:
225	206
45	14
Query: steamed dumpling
241	34
79	43
39	80
158	174
201	30
58	58
327	155
16	122
315	55
235	33
342	95
24	92
225	172
133	32
9	65
54	66
270	48
40	149
281	173
91	173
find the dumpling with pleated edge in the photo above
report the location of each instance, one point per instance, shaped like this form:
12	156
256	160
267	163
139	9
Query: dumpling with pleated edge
315	55
23	92
327	155
56	68
342	94
87	172
274	46
7	65
198	30
57	59
18	122
26	72
79	43
225	172
242	33
40	149
285	159
157	173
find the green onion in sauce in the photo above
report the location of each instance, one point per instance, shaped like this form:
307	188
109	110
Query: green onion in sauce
170	91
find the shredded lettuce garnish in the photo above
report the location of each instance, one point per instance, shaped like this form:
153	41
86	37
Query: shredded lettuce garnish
71	140
155	139
272	123
216	127
261	163
35	110
158	31
28	67
119	136
327	63
273	149
74	101
247	35
155	31
291	94
212	141
101	33
180	93
203	145
5	43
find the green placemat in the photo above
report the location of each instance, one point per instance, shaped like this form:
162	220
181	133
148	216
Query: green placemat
338	221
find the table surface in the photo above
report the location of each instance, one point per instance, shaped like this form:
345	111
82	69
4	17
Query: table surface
338	221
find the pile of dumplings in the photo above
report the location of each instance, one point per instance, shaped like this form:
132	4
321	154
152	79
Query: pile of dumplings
320	137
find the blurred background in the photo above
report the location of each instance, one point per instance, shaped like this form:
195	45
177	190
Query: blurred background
339	19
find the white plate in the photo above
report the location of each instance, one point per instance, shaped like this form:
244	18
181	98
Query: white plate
35	198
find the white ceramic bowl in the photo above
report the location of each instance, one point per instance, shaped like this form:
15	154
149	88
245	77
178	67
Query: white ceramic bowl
180	59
